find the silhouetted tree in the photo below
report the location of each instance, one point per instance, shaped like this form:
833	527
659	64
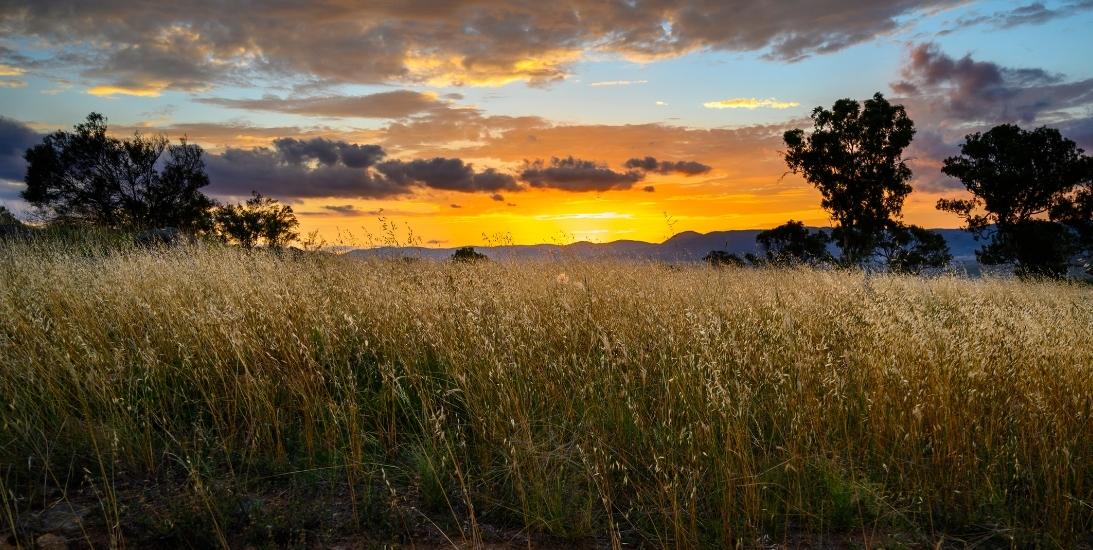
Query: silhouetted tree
719	258
86	176
1075	211
1022	184
793	243
10	226
910	249
467	254
260	220
1040	248
854	157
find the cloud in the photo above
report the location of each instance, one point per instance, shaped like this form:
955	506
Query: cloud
394	104
572	174
327	152
462	124
171	57
342	209
450	174
648	188
151	89
1034	13
13	83
1079	130
750	103
949	97
650	164
295	169
498	197
217	135
237	172
10	70
617	83
15	139
132	47
925	156
967	90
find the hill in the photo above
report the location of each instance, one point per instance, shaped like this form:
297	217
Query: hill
688	246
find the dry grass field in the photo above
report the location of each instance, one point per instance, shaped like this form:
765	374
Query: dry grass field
210	396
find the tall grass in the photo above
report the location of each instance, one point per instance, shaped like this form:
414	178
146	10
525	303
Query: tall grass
672	406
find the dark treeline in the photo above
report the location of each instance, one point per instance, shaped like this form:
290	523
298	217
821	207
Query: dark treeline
1031	196
143	185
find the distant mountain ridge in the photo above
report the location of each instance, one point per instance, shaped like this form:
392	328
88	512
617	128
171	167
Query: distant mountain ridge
688	246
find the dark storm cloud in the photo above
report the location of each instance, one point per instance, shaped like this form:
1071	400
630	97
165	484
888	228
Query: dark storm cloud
449	174
237	172
968	90
395	104
15	139
651	164
295	169
328	152
190	45
572	174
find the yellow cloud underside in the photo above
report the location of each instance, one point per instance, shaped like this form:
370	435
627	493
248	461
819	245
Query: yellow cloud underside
750	103
8	70
459	71
152	89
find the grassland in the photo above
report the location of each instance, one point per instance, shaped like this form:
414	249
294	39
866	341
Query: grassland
211	396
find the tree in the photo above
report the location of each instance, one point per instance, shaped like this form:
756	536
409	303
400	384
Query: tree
718	258
793	243
1075	211
1031	197
1037	248
260	220
467	254
10	226
910	249
86	176
854	157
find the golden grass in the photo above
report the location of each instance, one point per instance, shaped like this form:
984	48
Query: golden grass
681	406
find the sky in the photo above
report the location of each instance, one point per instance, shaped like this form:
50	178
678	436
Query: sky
494	121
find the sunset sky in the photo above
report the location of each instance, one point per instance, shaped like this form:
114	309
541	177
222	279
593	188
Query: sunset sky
496	121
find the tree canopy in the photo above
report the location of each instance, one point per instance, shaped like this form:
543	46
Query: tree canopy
719	258
87	176
1031	197
260	220
793	243
468	254
854	156
140	184
910	249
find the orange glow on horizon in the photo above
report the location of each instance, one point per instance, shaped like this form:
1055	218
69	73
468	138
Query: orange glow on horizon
560	218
